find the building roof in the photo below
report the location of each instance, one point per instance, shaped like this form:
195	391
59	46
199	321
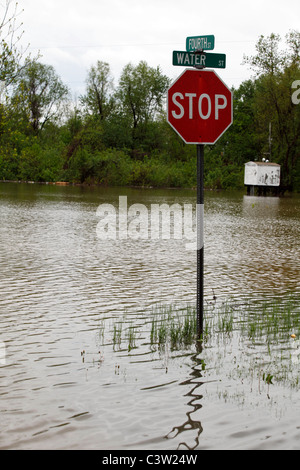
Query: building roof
264	164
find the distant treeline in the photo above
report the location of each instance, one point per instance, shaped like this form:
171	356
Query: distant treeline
117	134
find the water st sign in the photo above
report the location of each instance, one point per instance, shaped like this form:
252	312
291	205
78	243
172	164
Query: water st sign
199	106
199	60
196	43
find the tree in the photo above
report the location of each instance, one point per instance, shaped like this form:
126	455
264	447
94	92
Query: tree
293	41
141	93
268	59
99	96
273	107
39	93
10	35
239	143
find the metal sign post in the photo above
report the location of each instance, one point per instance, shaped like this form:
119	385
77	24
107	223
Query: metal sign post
200	239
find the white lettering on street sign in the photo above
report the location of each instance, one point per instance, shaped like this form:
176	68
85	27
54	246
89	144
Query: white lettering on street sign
191	59
199	106
201	98
220	106
174	99
196	43
218	101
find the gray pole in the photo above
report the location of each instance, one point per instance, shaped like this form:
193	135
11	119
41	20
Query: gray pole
200	239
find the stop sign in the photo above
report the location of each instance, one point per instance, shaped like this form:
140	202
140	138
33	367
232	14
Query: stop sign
199	106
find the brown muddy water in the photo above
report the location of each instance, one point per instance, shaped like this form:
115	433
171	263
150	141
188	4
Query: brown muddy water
78	369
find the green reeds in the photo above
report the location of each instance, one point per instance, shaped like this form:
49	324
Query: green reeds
272	320
264	320
117	335
174	325
225	318
262	336
131	338
123	337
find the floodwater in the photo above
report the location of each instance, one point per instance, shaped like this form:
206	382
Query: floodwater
66	384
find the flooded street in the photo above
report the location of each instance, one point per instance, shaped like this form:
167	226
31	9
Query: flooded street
66	382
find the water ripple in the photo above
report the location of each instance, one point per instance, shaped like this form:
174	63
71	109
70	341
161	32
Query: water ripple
59	282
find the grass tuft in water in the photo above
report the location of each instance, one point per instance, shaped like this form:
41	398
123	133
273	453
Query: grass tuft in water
265	335
117	335
131	338
265	320
225	318
175	326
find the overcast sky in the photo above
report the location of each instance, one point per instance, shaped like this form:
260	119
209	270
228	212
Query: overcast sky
73	34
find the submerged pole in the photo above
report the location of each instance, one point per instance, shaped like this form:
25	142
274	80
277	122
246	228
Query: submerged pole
200	239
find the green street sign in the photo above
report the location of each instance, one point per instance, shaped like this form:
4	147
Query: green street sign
199	60
196	43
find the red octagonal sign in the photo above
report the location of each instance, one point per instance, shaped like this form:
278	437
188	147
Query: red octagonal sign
199	106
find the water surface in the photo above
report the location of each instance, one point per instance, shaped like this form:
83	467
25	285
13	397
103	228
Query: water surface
63	387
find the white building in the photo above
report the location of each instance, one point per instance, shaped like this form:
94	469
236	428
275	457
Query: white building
262	174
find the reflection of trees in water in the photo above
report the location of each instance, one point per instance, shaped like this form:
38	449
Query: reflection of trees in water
190	424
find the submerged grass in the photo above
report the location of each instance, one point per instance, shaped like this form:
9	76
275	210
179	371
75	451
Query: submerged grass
117	335
263	336
173	325
273	320
267	320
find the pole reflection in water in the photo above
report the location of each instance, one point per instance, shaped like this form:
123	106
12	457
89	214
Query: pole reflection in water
191	424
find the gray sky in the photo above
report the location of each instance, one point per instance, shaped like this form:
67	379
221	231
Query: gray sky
73	34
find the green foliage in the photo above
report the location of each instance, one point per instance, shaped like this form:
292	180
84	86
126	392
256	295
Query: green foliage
10	36
9	163
120	135
38	94
109	167
141	94
99	99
